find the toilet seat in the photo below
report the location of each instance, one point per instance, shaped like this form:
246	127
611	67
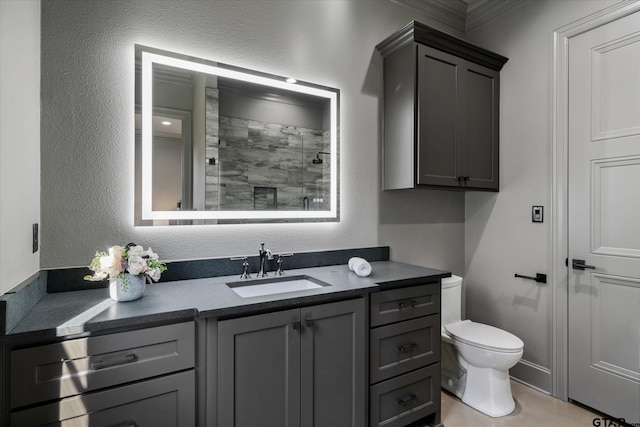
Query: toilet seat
484	336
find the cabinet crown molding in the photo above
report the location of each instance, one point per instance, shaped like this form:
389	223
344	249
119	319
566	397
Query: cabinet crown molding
417	32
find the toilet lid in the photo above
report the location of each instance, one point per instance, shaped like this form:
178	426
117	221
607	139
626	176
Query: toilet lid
485	336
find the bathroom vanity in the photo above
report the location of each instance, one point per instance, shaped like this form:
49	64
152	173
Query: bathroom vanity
360	351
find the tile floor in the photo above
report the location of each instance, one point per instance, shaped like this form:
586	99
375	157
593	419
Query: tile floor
532	409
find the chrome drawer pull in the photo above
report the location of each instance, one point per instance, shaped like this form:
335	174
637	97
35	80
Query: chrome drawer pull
126	424
412	304
129	358
407	348
407	400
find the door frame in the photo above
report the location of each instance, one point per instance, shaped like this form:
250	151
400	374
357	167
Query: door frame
559	184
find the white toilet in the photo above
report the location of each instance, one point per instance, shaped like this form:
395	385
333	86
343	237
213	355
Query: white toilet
476	358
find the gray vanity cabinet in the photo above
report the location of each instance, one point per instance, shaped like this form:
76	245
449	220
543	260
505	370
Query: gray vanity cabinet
404	365
141	377
441	111
299	367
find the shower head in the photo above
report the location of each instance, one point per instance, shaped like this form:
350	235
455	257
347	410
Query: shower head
318	160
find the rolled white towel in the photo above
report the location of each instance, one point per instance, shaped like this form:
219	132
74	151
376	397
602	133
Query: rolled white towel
360	266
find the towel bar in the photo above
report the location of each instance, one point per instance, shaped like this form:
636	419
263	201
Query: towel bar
540	278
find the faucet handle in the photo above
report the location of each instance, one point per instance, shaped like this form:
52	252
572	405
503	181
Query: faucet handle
280	272
245	264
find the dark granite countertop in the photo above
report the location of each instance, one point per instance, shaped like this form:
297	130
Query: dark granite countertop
72	313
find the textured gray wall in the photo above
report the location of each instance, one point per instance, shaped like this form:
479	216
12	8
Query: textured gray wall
500	238
88	121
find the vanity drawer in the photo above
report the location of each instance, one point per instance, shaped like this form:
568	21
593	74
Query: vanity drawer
405	399
396	305
403	347
77	366
167	401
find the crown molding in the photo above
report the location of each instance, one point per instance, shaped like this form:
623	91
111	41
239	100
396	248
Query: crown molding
416	32
481	11
450	12
462	15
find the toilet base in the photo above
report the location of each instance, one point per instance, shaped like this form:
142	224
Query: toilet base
488	391
452	375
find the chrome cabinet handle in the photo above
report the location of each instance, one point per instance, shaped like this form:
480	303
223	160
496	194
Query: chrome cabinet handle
579	264
308	322
297	325
129	358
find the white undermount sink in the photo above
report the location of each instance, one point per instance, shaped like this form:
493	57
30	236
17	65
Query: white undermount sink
275	285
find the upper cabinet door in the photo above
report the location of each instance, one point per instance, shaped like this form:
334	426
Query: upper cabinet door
480	154
457	134
439	137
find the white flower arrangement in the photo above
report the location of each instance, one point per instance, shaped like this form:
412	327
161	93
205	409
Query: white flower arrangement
132	259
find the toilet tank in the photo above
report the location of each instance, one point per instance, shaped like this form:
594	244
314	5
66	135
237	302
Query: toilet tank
451	299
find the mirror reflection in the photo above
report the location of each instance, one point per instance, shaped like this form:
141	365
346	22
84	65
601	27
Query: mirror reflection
221	144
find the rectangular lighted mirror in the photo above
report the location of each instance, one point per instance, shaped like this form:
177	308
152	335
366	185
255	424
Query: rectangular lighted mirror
222	144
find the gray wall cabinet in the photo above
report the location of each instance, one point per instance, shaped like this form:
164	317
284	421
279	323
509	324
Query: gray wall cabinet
441	111
299	367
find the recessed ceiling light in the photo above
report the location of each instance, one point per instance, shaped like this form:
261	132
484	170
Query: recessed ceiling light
291	80
166	122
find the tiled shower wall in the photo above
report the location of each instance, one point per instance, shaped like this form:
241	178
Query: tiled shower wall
274	158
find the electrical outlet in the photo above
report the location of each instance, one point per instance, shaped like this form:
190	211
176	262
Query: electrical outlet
34	239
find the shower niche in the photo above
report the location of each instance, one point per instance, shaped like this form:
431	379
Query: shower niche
221	144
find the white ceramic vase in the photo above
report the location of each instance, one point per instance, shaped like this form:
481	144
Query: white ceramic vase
128	287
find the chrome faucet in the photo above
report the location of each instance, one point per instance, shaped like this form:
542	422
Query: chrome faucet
265	254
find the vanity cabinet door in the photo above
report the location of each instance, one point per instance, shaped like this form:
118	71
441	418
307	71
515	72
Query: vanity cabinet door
301	367
259	370
333	364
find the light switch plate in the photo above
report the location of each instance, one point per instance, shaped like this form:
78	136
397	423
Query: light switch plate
537	214
34	237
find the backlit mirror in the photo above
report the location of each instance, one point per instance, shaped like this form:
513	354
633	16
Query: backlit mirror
221	144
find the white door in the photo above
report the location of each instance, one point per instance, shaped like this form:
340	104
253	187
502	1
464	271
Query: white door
604	218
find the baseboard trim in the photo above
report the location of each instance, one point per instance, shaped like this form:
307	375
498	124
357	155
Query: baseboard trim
532	375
